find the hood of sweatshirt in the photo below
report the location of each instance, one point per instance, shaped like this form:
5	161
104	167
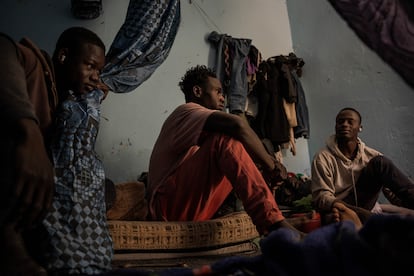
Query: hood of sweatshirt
332	145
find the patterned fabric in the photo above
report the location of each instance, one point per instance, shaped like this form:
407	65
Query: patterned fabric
78	235
385	26
384	246
142	44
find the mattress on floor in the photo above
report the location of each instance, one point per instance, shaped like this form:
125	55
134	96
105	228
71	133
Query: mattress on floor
225	231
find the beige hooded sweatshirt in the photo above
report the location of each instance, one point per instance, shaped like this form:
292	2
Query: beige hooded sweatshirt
334	176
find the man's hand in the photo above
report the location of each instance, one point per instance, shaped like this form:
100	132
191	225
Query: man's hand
275	176
34	175
105	88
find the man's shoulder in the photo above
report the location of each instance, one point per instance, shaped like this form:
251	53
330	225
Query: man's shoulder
42	55
188	115
323	152
9	38
324	155
330	142
371	151
367	149
9	45
31	55
192	107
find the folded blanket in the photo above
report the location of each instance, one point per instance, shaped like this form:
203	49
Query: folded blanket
384	246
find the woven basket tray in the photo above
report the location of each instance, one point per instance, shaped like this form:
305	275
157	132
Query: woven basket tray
158	235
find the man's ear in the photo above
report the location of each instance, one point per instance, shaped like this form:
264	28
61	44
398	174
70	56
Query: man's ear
197	91
62	55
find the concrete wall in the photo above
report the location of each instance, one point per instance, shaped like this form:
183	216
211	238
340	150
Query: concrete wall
341	71
131	122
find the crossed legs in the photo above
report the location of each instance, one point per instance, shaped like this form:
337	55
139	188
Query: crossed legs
203	181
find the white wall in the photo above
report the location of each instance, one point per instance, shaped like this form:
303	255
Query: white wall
131	122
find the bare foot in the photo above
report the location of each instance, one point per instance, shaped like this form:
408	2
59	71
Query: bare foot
14	259
341	214
335	215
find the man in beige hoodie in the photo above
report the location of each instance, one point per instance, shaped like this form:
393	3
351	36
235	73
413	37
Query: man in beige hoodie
348	176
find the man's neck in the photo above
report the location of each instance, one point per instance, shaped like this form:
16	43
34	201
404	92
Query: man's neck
348	148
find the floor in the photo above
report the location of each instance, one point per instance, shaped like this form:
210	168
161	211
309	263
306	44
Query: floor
162	261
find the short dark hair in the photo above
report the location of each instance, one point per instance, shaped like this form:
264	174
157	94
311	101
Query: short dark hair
354	110
74	38
197	75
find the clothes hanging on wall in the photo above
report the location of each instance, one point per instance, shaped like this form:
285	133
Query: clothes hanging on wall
294	65
303	127
272	122
142	43
282	114
254	58
231	68
268	93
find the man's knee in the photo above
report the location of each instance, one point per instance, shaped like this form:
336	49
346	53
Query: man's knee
221	141
380	162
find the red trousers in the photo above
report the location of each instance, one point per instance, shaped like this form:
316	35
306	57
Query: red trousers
196	190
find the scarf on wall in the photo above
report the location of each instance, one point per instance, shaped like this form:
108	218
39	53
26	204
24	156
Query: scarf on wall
142	43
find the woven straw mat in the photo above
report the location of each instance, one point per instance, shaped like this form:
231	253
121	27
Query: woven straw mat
159	235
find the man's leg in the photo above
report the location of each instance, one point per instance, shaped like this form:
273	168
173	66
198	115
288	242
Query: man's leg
394	179
381	172
201	184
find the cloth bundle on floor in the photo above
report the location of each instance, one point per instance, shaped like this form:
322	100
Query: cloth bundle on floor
384	246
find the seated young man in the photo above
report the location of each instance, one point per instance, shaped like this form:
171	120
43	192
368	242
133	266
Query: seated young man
52	215
348	175
203	153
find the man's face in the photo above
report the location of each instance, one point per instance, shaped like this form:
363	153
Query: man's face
347	125
212	96
83	71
